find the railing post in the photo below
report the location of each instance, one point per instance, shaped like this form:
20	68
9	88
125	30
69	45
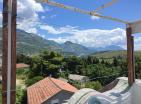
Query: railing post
130	56
9	52
133	58
13	52
4	51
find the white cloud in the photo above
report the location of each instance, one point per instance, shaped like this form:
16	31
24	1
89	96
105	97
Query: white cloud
32	30
92	37
95	18
28	12
52	30
28	17
88	37
137	41
43	17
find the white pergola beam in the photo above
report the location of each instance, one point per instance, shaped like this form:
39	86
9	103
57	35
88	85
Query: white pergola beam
136	26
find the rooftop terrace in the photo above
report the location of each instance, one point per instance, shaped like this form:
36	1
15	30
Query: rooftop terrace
120	94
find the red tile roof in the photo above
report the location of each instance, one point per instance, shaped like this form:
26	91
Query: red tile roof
21	65
46	88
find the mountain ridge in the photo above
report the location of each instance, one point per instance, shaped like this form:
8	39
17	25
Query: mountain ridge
29	43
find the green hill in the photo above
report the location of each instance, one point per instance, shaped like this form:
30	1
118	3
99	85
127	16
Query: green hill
31	43
111	54
78	49
28	43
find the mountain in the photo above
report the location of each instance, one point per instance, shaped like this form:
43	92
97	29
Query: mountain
113	48
108	48
28	43
111	54
75	48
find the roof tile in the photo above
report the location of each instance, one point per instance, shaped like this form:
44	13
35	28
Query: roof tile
45	89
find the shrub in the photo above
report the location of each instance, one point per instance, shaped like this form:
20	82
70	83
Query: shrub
33	80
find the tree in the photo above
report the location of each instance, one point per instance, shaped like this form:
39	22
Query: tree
46	64
94	85
33	80
73	64
21	58
115	61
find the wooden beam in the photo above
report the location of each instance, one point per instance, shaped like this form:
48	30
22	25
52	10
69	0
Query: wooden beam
105	5
130	56
4	51
133	58
9	52
13	52
71	8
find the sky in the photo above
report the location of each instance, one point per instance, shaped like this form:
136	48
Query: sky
62	25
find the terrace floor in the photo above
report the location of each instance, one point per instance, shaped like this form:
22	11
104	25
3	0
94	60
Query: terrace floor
120	94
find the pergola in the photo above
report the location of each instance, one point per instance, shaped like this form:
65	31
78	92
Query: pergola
9	44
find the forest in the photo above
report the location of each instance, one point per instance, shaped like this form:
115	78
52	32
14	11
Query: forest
97	69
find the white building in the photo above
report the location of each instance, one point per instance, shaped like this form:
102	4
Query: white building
78	78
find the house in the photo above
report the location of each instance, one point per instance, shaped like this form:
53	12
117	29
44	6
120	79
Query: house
21	66
50	91
18	66
63	79
78	78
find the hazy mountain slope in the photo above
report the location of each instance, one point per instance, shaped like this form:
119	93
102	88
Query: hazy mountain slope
28	43
107	48
75	48
111	54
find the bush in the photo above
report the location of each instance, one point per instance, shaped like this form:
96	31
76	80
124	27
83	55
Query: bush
33	80
22	73
94	85
21	97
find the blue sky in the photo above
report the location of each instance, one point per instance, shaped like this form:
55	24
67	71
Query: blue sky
62	25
